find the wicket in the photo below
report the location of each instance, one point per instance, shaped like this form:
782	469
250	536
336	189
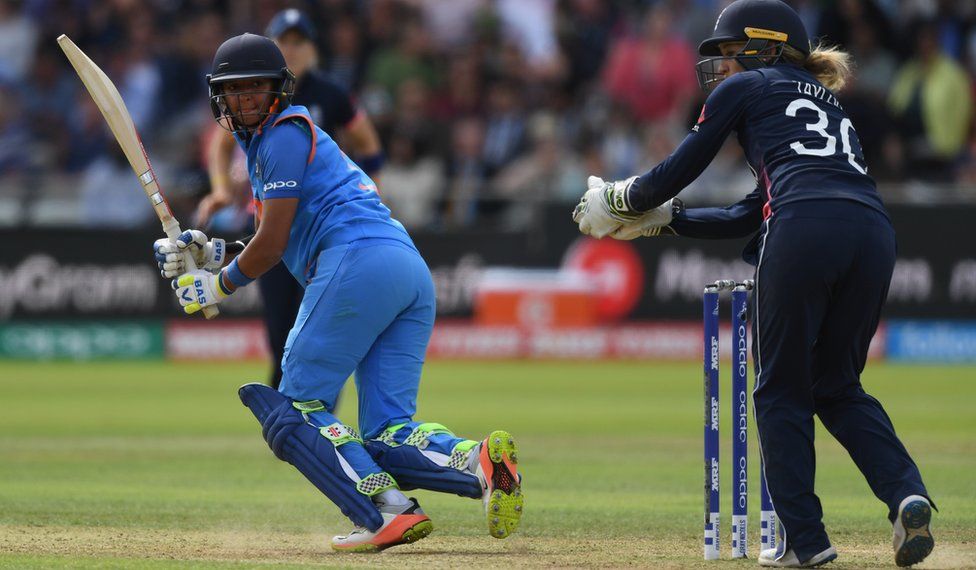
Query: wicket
740	423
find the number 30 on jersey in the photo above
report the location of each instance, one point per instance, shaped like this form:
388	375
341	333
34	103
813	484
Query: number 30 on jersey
820	127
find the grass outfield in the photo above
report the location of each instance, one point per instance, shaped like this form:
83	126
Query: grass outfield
155	465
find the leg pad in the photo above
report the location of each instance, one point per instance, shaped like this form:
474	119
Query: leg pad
296	441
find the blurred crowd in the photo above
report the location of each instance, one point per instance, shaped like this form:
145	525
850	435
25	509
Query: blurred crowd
487	109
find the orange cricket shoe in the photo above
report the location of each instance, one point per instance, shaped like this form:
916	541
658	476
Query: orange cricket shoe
406	524
497	469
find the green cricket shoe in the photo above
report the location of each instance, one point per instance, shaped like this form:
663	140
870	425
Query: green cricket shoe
498	471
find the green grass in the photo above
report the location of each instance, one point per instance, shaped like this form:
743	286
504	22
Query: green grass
155	465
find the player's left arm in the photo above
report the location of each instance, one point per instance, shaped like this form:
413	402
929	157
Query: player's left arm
265	249
738	220
608	205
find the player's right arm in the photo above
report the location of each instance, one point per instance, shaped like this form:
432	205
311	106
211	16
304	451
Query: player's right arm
220	155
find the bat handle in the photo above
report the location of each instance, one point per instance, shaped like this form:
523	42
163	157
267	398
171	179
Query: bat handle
172	232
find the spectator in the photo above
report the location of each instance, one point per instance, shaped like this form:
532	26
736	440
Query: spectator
18	41
110	195
14	135
530	25
86	132
408	58
505	128
840	23
932	99
419	177
875	65
183	67
139	77
466	171
864	99
549	171
588	25
52	98
460	93
451	25
345	64
620	147
652	75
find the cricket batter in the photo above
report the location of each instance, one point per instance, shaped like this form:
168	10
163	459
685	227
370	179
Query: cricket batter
331	108
824	255
368	308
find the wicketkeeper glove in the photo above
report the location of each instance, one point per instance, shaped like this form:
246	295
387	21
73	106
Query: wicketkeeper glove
207	254
652	223
604	207
199	289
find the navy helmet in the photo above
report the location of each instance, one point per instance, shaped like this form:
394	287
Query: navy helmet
249	56
764	26
291	19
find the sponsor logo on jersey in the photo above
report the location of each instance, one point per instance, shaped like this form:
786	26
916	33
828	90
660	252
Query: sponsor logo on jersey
279	185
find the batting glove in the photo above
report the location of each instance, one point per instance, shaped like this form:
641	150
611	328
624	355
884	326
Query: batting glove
198	289
207	254
652	223
604	207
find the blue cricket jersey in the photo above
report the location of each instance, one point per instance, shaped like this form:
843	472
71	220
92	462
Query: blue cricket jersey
798	141
291	157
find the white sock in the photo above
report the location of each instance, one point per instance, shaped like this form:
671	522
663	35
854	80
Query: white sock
391	498
474	457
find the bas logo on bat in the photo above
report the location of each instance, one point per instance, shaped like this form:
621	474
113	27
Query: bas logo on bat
280	184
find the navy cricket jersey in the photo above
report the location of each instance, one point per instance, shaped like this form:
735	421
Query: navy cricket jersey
798	141
330	105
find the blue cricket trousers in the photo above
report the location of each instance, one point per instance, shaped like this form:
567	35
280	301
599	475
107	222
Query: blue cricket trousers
822	278
368	309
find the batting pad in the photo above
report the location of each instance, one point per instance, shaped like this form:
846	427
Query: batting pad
426	456
294	440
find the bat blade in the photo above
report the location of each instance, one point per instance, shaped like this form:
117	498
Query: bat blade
109	102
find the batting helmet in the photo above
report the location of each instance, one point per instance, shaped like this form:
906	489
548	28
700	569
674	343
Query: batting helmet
248	56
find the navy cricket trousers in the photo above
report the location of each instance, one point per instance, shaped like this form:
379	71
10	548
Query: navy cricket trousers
281	295
821	281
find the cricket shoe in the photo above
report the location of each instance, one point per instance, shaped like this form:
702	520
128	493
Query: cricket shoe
497	470
789	560
402	524
912	539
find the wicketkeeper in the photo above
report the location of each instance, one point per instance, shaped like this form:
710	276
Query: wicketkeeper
824	250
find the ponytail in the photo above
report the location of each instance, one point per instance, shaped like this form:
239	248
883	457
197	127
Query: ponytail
830	65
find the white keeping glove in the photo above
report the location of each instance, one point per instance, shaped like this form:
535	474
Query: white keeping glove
198	289
604	207
207	254
651	224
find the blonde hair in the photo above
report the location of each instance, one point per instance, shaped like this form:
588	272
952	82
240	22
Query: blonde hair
829	64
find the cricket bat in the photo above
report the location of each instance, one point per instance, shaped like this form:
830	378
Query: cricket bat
110	103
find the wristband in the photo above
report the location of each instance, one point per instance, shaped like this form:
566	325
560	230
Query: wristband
372	163
235	275
220	285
